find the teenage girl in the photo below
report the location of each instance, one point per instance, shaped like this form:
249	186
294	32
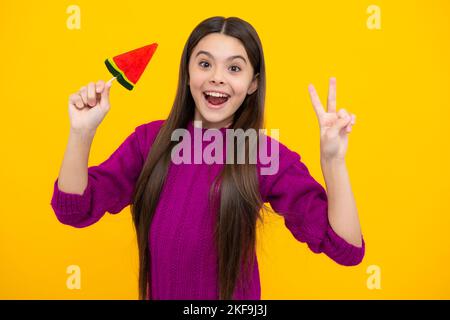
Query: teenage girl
196	222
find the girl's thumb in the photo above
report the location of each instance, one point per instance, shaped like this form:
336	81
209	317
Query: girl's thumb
105	92
341	123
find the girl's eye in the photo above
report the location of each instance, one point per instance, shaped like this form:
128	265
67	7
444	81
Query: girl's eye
205	64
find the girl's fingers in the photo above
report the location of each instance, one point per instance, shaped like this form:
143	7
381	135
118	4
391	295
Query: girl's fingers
91	95
342	113
99	86
315	100
331	103
84	95
352	122
75	99
349	128
104	102
348	119
351	118
340	124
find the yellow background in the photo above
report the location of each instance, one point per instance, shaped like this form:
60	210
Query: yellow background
396	81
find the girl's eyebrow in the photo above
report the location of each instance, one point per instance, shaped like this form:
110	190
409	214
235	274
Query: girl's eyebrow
212	57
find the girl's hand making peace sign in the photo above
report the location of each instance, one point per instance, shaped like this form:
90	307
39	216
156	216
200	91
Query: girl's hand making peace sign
334	126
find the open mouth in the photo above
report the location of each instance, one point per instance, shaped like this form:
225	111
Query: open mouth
215	99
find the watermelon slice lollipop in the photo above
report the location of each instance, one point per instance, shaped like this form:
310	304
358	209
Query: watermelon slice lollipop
129	66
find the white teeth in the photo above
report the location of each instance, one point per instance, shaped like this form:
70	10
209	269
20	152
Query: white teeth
216	94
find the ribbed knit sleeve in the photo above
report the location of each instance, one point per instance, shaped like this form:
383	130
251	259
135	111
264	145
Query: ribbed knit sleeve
110	184
302	201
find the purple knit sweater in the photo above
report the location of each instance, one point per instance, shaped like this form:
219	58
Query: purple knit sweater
183	257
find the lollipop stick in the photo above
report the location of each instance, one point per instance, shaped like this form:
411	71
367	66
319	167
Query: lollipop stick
112	79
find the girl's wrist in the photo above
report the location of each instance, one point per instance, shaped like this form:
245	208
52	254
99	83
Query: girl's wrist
83	133
332	161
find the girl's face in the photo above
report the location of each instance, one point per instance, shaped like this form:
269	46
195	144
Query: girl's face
220	77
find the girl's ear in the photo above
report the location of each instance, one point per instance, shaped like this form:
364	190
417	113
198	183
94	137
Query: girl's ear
254	85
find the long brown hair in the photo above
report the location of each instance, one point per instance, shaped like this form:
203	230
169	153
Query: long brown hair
234	192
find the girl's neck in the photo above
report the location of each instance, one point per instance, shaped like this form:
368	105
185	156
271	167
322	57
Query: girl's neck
209	126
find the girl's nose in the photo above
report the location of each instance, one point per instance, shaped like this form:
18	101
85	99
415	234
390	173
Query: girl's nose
217	77
216	81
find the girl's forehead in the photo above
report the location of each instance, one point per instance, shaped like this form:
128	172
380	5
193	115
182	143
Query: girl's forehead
220	46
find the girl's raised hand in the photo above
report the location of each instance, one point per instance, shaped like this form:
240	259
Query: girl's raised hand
334	126
88	106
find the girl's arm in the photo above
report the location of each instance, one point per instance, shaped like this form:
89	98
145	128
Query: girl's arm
342	212
294	194
87	109
334	130
82	194
73	175
106	187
